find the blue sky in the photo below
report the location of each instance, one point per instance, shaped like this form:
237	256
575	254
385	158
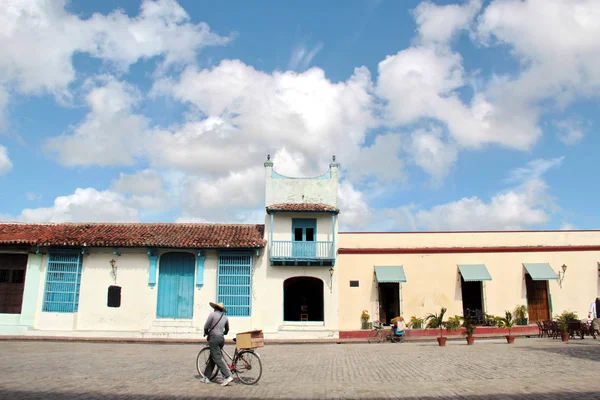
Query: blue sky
445	115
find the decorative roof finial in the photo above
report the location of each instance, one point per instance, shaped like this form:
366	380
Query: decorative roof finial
333	164
268	163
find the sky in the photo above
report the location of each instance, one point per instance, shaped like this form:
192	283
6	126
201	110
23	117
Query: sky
443	115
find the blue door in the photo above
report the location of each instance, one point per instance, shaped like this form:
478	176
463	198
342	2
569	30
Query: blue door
176	286
304	238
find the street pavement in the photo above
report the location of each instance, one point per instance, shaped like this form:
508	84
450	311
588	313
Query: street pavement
490	369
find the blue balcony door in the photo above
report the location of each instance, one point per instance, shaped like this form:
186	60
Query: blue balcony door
176	286
304	238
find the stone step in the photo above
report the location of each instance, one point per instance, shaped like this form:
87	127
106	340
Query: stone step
172	322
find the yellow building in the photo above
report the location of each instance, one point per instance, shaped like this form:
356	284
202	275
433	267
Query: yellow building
414	274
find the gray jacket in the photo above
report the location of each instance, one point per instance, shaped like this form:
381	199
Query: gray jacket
221	328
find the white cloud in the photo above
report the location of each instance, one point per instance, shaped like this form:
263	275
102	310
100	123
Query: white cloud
526	205
432	153
559	53
143	182
302	56
565	226
381	161
354	211
571	131
85	205
145	187
3	105
423	82
38	39
513	209
303	114
234	197
5	163
110	134
31	196
534	170
439	24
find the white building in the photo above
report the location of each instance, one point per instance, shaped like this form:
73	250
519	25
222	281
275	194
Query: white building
156	280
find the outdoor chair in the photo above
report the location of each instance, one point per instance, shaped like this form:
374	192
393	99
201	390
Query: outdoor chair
543	328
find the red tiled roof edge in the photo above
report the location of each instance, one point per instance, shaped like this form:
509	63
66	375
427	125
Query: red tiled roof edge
173	235
302	207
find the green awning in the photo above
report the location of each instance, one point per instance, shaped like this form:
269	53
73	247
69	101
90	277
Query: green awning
474	272
390	274
541	272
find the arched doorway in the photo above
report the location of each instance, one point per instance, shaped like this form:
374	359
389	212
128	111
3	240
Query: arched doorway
303	299
176	286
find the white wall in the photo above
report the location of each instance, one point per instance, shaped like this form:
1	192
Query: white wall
301	190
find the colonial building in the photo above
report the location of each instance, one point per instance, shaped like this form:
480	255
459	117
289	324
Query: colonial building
293	276
156	280
475	273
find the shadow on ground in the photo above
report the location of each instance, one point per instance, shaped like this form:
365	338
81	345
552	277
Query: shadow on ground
28	395
582	349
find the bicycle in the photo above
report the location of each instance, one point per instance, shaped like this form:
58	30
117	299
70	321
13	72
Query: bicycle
243	363
379	334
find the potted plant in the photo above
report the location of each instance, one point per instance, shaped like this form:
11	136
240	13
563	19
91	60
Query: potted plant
508	322
520	314
416	323
563	323
437	321
469	326
364	317
453	323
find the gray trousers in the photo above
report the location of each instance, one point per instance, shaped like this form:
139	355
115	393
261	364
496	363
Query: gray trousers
215	344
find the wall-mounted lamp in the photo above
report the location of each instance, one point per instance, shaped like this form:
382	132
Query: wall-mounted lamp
561	274
331	271
113	265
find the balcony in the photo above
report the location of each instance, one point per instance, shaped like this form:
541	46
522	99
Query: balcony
302	253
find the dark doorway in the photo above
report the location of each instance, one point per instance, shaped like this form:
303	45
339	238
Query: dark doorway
538	306
389	302
472	300
12	282
303	299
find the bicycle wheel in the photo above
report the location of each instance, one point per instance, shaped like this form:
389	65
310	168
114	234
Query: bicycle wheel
248	367
375	336
202	360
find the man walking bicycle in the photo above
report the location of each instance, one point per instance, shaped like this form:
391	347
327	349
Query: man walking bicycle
215	328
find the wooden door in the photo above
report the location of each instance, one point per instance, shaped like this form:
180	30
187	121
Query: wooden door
176	286
537	299
304	236
12	282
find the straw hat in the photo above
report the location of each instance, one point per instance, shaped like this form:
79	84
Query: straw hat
218	306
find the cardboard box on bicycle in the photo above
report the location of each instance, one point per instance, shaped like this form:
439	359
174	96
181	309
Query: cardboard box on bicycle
250	339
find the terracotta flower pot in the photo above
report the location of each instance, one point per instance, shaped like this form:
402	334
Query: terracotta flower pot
565	336
441	341
510	339
470	340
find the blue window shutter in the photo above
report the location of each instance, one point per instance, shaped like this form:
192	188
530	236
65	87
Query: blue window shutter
234	283
63	280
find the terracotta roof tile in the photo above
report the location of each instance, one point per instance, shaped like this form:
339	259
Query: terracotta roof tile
302	207
175	235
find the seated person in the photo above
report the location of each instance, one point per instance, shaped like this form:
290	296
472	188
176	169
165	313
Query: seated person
399	326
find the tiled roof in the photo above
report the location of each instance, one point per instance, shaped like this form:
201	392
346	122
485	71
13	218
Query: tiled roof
174	235
302	207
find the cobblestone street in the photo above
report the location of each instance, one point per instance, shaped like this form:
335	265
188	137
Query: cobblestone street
529	369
